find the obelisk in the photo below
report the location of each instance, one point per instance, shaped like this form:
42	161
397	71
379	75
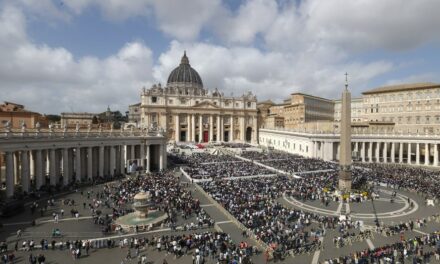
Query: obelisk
345	150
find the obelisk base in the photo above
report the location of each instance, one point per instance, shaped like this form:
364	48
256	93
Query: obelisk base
345	181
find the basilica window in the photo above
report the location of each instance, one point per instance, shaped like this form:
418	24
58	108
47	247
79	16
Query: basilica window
154	99
170	101
249	104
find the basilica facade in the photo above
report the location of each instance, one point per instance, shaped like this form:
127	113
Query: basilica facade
190	113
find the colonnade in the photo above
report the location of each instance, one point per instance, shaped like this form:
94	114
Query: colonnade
58	158
399	149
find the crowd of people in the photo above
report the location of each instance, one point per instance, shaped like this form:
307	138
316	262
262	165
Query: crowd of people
421	249
289	163
254	203
398	176
222	170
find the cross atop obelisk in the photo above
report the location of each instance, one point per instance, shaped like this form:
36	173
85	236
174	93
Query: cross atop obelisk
345	140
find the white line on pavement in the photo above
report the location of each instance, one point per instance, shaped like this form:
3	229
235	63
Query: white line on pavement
207	205
420	232
370	244
316	254
347	208
223	222
339	208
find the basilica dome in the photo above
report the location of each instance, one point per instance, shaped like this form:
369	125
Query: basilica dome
185	75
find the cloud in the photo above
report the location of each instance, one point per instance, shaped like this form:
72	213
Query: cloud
269	75
52	80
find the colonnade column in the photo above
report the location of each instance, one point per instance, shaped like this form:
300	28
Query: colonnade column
25	171
142	156
435	154
211	128
385	154
370	151
52	170
132	152
66	174
78	164
38	168
393	149
113	160
177	132
401	152
417	153
123	159
101	161
148	158
426	154
363	152
9	174
90	163
377	151
409	153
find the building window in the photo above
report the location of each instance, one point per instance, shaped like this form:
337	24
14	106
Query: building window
154	99
249	104
170	101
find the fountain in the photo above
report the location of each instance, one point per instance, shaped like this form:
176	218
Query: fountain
142	217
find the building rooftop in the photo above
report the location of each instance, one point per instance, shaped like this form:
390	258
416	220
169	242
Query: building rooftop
402	87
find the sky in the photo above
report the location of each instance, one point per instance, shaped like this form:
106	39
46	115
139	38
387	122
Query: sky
84	55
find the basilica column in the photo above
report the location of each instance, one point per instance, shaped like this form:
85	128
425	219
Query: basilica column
113	159
188	128
211	127
426	154
25	171
385	154
242	129
9	156
232	129
90	163
78	164
409	153
193	127
218	137
417	153
66	174
101	161
435	154
200	128
39	169
222	127
161	157
401	152
148	159
52	170
177	135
